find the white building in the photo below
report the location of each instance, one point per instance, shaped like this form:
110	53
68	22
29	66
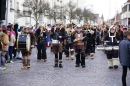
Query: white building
14	6
125	17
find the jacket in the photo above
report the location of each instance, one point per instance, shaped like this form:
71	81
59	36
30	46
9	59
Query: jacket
124	52
12	40
4	42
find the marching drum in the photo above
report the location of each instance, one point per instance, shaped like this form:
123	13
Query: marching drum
115	47
108	48
55	42
24	42
100	47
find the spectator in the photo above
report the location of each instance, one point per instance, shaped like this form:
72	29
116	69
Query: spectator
124	55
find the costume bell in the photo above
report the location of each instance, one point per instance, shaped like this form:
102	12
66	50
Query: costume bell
79	39
69	43
112	39
57	47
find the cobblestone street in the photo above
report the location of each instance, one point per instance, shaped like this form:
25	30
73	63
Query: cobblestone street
96	73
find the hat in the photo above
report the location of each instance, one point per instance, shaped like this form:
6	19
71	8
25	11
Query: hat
112	27
79	25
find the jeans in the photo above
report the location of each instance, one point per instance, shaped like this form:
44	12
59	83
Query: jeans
124	74
11	52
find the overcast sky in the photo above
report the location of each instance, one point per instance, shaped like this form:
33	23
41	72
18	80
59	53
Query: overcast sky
106	7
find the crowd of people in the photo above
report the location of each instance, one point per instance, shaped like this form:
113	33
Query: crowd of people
74	40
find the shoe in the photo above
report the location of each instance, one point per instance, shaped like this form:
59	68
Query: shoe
38	60
2	68
110	67
72	58
28	66
115	66
77	65
24	67
4	65
60	65
56	65
44	60
92	56
83	66
11	61
67	58
86	56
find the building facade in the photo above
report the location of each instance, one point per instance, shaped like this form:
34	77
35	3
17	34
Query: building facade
125	17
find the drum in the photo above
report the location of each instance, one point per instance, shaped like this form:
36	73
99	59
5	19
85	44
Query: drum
24	42
55	42
108	48
100	47
115	47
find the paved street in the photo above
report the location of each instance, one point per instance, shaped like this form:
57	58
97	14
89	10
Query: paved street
42	73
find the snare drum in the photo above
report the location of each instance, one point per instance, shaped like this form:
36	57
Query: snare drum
55	42
24	42
108	48
115	47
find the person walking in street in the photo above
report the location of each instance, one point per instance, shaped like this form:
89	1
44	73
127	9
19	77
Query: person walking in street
79	38
124	55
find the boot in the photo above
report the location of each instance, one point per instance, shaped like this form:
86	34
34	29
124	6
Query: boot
115	62
60	63
92	56
86	56
110	63
77	65
24	64
28	63
67	58
72	55
56	63
45	60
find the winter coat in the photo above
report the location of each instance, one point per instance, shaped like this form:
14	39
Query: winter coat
124	52
4	42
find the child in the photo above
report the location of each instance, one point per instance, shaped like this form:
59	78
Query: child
124	55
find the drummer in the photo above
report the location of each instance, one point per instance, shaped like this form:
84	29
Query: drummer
26	54
112	55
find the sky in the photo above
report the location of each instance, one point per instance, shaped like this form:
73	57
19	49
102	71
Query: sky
108	8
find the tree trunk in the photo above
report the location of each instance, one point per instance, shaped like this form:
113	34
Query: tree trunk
36	23
55	17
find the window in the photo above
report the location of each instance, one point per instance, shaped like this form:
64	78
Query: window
124	9
17	5
11	6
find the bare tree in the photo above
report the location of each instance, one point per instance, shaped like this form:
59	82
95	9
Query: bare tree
55	13
88	15
79	14
70	10
36	8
